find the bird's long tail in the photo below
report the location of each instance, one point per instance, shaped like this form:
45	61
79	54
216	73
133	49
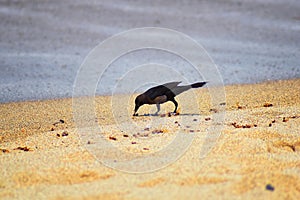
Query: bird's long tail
179	89
197	85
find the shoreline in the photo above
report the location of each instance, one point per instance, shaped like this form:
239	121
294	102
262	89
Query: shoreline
108	95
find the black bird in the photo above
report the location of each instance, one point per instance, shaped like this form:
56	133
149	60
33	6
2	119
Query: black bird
163	93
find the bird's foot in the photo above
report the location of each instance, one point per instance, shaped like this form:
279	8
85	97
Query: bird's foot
173	113
135	114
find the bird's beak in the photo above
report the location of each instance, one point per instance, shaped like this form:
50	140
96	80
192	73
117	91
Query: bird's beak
136	109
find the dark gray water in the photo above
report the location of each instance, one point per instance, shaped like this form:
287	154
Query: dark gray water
43	43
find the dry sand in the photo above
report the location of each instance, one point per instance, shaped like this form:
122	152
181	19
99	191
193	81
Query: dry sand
42	156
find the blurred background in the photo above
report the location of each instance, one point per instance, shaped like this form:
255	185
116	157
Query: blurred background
43	43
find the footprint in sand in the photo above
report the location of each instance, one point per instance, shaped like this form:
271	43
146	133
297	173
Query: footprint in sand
58	176
152	183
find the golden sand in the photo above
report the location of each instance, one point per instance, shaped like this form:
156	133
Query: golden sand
256	156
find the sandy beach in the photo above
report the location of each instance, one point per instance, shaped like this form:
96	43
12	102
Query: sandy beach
246	146
257	155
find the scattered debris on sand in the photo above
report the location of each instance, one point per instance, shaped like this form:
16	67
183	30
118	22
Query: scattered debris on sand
4	150
64	134
22	148
112	138
235	125
267	104
207	119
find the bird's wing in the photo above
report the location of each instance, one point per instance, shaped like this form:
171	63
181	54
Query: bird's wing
160	90
171	85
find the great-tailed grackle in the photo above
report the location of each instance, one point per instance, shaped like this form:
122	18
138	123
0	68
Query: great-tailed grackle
163	93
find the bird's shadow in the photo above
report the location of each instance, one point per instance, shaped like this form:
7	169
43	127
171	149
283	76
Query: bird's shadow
167	114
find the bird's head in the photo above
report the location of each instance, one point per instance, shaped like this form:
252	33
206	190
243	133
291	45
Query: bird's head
139	101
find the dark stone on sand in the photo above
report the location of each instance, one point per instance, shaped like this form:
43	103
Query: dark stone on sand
270	187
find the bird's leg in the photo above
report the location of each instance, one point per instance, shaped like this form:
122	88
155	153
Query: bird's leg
176	104
158	108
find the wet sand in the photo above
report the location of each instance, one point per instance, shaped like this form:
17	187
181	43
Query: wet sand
256	156
43	44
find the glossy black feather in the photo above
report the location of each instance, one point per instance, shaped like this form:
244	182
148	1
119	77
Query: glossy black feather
160	90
